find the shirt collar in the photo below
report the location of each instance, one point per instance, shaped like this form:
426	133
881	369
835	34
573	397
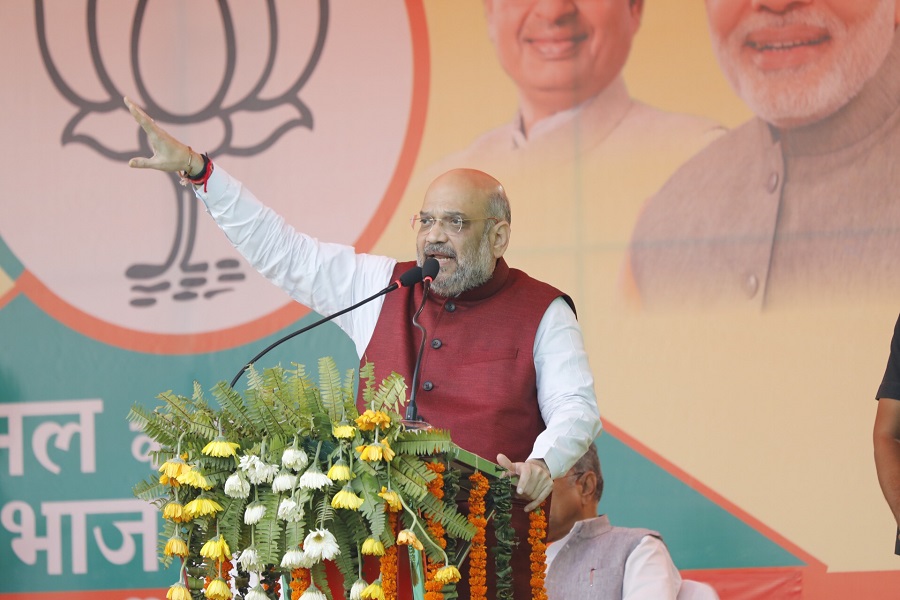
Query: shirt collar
597	116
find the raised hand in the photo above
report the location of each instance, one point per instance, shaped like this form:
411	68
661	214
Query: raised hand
168	153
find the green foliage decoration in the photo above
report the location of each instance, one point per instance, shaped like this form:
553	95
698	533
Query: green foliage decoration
268	451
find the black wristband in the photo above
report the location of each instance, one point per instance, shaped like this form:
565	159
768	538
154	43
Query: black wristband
201	176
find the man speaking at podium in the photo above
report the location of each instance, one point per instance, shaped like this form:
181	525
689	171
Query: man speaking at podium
505	369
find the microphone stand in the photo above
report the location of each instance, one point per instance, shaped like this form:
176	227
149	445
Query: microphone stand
410	277
412	420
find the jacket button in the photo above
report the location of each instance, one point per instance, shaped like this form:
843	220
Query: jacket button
427	386
450	307
436	343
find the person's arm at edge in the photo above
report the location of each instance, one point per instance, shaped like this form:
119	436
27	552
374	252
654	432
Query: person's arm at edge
650	573
886	439
567	401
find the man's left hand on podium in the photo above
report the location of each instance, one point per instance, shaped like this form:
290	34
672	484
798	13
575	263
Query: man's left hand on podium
534	483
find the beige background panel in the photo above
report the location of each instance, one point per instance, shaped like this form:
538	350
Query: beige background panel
772	410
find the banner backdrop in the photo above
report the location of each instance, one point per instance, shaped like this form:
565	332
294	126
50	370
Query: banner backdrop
734	280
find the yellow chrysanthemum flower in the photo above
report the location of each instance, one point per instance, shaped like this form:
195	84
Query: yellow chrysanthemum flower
178	591
202	506
339	472
375	452
371	419
373	591
343	431
388	453
172	468
218	590
216	549
407	538
392	498
448	574
220	447
346	498
194	478
176	547
373	547
174	511
166	480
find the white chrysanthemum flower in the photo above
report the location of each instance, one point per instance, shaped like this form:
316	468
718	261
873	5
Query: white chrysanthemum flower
257	471
312	593
257	593
290	510
262	473
249	560
314	479
357	589
292	559
254	513
236	486
321	544
284	482
248	462
294	458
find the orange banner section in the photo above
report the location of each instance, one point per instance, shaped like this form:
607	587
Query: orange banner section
783	583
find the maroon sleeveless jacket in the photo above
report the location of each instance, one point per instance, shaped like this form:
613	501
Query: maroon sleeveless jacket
477	377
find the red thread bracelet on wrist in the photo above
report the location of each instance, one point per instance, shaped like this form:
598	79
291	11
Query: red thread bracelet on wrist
203	177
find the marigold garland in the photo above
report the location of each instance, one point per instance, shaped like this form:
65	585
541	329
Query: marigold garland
300	580
436	529
389	562
432	586
537	533
478	549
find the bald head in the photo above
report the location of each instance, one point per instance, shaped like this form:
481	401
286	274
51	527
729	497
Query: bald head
480	192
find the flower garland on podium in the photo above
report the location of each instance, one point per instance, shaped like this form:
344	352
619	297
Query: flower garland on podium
289	475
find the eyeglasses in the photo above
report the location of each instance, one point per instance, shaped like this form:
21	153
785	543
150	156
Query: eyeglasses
576	475
450	225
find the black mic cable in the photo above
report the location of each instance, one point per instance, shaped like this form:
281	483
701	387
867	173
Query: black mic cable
406	279
430	269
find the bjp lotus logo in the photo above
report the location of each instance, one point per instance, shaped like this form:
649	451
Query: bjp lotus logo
316	107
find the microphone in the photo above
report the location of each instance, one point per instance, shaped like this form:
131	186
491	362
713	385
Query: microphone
430	269
408	278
